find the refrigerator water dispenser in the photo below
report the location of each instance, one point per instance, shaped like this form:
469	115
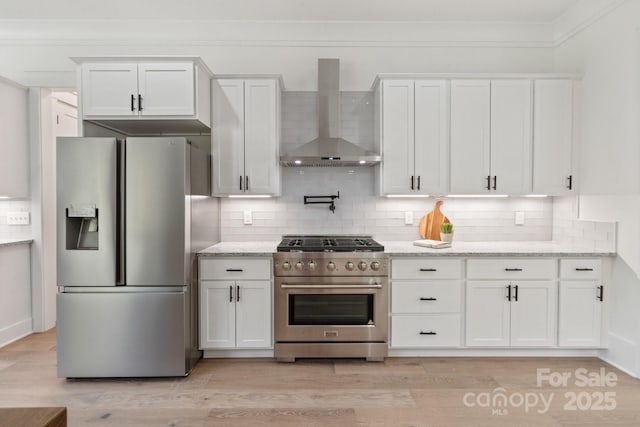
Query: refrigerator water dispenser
82	227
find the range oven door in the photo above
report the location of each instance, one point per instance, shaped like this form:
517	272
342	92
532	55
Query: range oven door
331	309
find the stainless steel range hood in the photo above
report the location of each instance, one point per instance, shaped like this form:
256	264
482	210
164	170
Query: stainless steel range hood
329	149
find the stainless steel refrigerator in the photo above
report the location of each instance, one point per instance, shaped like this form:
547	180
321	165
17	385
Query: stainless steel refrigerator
129	221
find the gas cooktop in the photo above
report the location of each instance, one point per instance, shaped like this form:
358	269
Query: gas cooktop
295	243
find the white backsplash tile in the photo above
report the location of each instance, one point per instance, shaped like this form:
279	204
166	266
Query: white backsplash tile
567	228
358	210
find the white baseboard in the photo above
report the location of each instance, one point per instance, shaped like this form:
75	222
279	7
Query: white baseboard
238	354
494	352
16	331
621	353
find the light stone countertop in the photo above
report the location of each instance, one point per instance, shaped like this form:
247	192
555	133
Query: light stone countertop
408	249
11	242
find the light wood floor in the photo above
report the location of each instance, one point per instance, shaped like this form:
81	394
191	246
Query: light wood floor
259	392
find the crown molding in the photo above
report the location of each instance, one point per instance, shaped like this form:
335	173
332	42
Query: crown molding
580	17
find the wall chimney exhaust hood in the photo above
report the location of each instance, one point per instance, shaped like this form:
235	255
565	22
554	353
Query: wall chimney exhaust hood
329	149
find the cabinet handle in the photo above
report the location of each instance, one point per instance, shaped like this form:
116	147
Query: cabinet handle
412	182
584	269
234	270
133	98
570	179
512	269
240	182
495	182
488	182
246	183
428	269
238	293
600	292
509	293
230	293
428	333
428	299
418	182
139	102
515	295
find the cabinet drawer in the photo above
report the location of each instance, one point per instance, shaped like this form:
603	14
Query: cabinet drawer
235	269
578	268
511	268
425	331
426	268
426	297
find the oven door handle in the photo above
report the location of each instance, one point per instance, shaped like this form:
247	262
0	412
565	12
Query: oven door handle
373	286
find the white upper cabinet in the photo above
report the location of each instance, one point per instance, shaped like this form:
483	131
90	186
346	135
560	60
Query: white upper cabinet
553	137
511	136
109	89
413	129
119	93
246	113
470	136
166	89
491	136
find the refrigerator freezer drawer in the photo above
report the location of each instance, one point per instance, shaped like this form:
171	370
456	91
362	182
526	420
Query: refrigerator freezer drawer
122	335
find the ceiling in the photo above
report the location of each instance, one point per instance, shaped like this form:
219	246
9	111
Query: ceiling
526	11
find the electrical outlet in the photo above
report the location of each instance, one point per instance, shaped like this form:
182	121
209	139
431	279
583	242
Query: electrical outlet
17	218
247	218
408	218
519	218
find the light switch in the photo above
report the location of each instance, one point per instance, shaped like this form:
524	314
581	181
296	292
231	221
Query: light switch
17	218
247	218
519	218
408	218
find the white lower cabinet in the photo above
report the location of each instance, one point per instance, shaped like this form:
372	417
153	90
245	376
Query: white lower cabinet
425	308
515	312
581	303
235	314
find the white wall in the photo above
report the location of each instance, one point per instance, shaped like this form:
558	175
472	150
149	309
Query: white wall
14	144
607	53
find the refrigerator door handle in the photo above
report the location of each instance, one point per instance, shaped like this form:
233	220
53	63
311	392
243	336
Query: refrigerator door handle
120	215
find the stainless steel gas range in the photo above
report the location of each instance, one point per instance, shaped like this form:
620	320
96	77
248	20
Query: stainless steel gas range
331	298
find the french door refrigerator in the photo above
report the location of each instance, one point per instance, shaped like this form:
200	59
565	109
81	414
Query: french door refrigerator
127	285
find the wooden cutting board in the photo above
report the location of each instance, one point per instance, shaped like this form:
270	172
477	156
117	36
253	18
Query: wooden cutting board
429	226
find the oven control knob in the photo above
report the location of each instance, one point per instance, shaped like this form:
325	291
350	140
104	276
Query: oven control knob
362	266
375	266
349	265
331	266
286	265
312	265
299	266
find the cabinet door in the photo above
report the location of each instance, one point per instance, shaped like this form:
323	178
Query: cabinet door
397	137
261	137
511	136
487	323
217	314
253	314
533	313
108	88
166	89
552	137
431	136
228	136
470	120
580	314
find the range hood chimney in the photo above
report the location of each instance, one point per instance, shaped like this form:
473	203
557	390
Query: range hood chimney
329	149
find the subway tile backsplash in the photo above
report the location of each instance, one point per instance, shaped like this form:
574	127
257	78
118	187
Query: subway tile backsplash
567	228
359	211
